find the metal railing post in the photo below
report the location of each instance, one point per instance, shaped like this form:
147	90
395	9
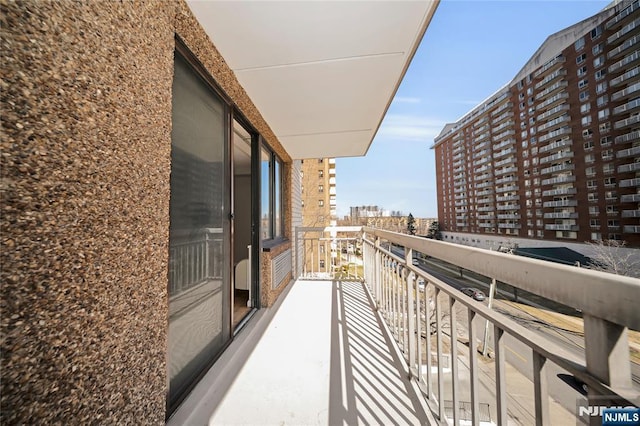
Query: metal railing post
412	322
454	359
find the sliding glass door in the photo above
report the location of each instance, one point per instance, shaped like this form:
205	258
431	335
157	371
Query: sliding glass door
199	258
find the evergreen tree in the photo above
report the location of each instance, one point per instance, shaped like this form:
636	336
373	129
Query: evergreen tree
434	231
411	225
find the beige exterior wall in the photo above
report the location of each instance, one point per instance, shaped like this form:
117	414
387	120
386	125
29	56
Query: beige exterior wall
86	148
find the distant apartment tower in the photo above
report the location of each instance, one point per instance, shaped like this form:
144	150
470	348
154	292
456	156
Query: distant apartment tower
555	153
318	208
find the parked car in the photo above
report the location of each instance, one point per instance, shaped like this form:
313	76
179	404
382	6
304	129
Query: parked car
415	261
475	293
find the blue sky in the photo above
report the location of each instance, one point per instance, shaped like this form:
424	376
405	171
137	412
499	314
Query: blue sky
470	50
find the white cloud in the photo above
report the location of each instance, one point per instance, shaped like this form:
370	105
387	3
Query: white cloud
406	100
410	127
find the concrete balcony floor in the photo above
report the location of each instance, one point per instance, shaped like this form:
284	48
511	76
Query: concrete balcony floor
325	358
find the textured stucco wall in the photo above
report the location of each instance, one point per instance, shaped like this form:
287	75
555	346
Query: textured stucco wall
85	165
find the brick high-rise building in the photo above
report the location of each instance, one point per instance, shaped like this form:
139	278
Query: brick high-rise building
319	208
555	153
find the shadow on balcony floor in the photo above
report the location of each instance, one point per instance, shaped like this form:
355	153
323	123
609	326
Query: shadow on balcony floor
324	359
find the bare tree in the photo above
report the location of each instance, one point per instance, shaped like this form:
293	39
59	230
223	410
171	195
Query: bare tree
611	256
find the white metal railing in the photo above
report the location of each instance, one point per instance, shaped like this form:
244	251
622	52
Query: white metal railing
414	304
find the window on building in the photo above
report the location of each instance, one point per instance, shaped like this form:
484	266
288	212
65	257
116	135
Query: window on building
609	182
583	83
599	61
321	203
596	236
603	113
607	154
589	158
594	223
579	44
612	209
584	96
581	58
602	100
271	189
586	120
595	33
585	108
587	133
608	168
611	195
597	49
582	71
592	196
320	160
594	210
605	141
321	263
604	127
600	74
540	233
590	171
591	184
588	145
601	87
320	188
321	173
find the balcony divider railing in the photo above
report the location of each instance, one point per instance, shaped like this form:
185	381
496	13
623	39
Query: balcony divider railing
407	298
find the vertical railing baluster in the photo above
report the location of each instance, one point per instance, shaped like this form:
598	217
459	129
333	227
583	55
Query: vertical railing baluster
540	389
418	316
501	382
439	355
411	322
454	359
473	369
427	326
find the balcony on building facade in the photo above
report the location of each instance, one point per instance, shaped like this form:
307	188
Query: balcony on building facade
559	179
501	108
554	146
486	209
627	183
630	198
621	124
624	77
625	168
626	91
628	137
558	60
628	43
507	188
482	145
482	160
620	17
555	122
484	168
561	227
461	203
504	170
627	108
486	200
553	112
630	213
484	192
557	156
509	216
501	118
612	39
486	217
505	134
631	229
554	134
551	89
502	207
508	142
504	152
561	215
624	62
480	154
506	179
509	160
629	152
503	126
486	225
558	168
483	176
549	78
508	198
560	203
481	137
553	100
458	149
559	191
483	119
509	225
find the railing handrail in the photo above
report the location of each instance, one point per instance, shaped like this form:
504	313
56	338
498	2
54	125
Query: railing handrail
600	294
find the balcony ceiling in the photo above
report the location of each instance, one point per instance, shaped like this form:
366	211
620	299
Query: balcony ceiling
321	73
